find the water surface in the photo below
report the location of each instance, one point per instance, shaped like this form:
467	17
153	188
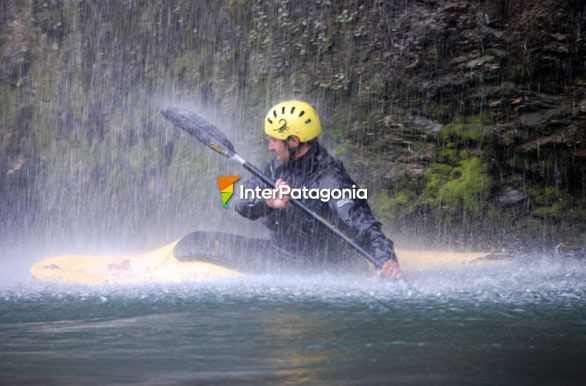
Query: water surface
522	325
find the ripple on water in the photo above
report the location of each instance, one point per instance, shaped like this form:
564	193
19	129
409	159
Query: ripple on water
321	328
524	281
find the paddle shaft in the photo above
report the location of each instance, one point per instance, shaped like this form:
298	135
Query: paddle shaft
255	171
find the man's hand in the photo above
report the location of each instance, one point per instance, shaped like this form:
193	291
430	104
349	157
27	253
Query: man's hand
390	270
278	203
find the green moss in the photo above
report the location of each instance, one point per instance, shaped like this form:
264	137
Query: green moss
453	186
464	154
185	66
457	139
530	226
341	149
448	154
437	175
237	8
469	188
390	207
547	196
463	132
554	211
547	202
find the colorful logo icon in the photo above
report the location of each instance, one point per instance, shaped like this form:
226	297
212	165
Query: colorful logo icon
226	185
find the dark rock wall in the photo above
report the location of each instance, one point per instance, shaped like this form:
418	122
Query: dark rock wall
466	119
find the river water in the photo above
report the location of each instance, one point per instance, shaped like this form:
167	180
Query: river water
521	325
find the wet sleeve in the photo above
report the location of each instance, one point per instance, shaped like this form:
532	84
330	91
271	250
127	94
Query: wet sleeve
355	218
253	208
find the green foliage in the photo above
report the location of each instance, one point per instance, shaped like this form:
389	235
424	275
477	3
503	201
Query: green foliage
555	211
185	66
470	188
547	202
392	206
341	149
463	132
465	185
437	175
237	9
547	195
449	154
456	139
337	82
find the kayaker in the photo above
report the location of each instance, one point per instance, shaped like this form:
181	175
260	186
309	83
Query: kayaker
292	129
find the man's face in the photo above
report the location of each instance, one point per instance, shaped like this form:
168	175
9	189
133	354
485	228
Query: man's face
278	147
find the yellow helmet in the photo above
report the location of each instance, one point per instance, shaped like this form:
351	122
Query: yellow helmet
292	118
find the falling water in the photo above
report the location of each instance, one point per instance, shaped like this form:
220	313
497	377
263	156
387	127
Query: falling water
464	120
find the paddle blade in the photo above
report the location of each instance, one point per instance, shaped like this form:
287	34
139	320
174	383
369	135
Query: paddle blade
204	131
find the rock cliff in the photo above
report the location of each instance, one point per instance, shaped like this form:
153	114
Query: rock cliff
466	119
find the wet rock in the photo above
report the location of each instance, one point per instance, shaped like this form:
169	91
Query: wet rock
429	151
415	171
398	174
479	61
568	137
398	72
532	120
16	54
510	196
569	251
16	165
426	125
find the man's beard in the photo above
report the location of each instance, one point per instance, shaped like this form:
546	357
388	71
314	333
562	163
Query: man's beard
284	162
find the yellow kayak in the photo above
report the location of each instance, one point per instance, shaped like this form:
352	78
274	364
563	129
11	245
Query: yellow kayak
169	263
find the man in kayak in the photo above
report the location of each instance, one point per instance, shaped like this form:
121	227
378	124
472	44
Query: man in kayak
292	128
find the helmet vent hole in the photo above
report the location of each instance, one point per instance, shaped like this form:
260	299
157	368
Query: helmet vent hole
275	113
269	119
301	113
292	109
307	121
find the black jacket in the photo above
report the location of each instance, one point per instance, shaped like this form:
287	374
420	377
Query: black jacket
298	233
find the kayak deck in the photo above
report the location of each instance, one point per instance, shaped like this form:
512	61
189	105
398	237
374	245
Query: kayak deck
157	266
201	256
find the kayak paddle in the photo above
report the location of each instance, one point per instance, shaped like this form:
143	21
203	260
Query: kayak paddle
209	135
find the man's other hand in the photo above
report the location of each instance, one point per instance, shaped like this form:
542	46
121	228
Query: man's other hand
390	270
278	203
